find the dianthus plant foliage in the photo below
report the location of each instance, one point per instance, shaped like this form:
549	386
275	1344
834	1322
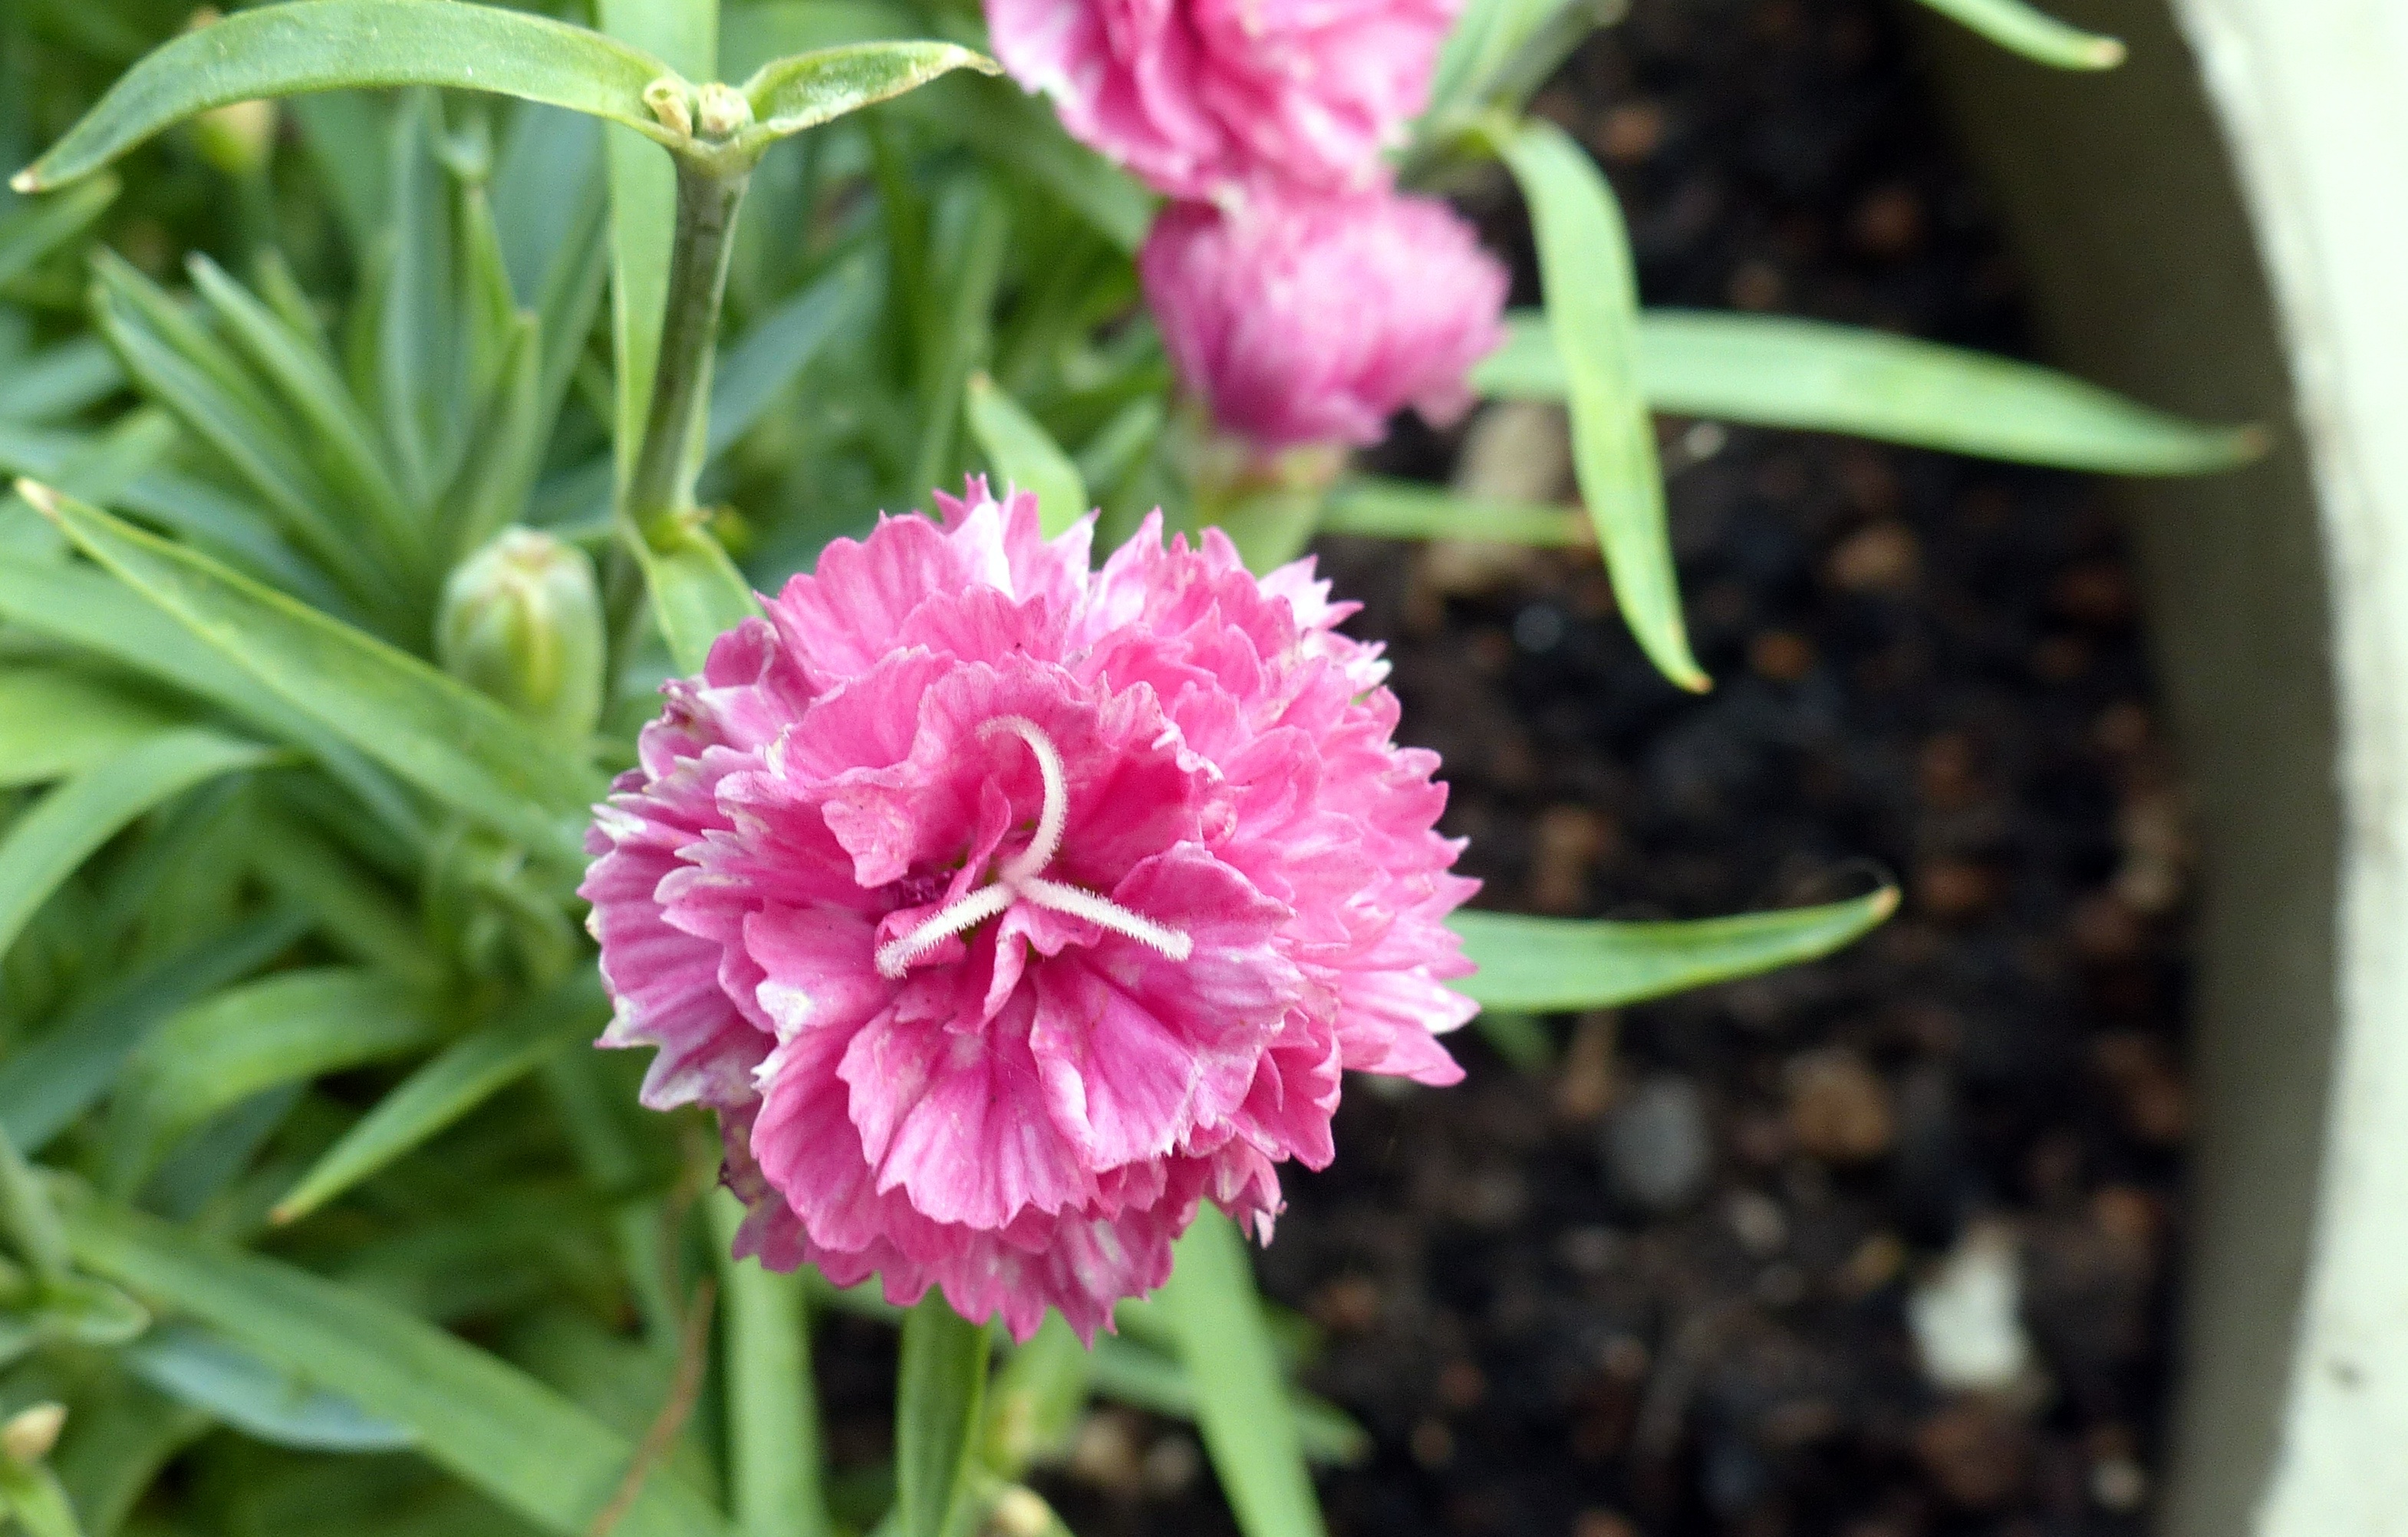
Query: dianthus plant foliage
410	403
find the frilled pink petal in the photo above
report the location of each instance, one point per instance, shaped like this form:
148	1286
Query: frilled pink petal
816	972
1006	910
1134	1049
957	1122
664	983
1303	319
1201	97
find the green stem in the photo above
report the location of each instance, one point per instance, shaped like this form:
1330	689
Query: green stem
659	496
660	489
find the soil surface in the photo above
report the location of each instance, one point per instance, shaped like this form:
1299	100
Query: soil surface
1669	1282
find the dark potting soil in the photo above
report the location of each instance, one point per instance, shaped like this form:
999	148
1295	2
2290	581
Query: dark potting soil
1662	1284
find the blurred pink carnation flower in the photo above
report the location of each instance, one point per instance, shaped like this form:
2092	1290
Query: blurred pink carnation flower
1005	910
1312	319
1201	97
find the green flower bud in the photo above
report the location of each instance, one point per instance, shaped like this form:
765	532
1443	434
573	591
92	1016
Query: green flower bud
521	619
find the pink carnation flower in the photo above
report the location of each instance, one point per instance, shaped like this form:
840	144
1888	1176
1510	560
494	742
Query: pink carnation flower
1307	320
1200	97
1006	909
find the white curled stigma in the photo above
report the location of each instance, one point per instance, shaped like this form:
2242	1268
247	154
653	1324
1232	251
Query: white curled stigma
1022	877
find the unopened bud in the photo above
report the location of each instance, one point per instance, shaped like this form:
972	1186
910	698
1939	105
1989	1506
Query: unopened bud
1020	1511
666	96
521	620
29	1434
236	138
720	110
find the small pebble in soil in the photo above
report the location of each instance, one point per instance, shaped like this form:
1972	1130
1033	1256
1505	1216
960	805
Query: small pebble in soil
1965	1316
1657	1154
1839	1107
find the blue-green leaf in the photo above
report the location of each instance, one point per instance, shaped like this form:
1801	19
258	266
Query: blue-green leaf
775	1466
1772	371
491	1425
213	1374
938	1391
1375	508
44	846
452	742
286	1029
1542	964
1242	1402
1021	451
1592	303
53	723
326	45
2021	28
448	1085
34	230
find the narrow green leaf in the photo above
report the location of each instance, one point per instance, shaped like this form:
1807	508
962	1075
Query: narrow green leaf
1376	508
46	1086
643	204
44	846
307	381
1592	298
30	1492
326	45
91	611
286	1029
697	593
213	1374
33	231
1485	38
2042	39
1025	455
486	1422
1144	1378
775	1464
351	910
1036	1398
778	347
450	741
963	334
122	1434
190	373
1020	133
791	94
1537	965
1776	372
452	1082
53	723
504	450
1240	1394
60	381
938	1391
27	1217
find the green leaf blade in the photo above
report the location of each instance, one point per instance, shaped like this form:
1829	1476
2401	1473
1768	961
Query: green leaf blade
1242	1402
487	1423
938	1390
1775	371
51	839
1592	302
325	45
775	1466
447	1087
1539	965
452	742
2022	29
1025	455
791	94
285	1029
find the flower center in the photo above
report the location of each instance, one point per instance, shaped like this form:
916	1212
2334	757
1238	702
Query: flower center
1022	878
